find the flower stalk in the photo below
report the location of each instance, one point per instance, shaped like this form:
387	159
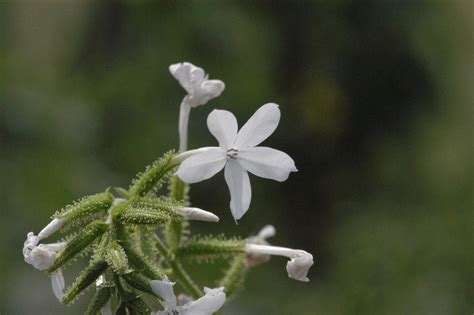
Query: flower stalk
178	270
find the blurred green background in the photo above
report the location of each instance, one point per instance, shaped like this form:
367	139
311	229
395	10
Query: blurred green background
377	112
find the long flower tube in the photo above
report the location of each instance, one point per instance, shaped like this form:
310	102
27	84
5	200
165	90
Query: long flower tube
297	267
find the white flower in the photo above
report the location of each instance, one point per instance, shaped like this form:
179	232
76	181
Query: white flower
210	303
238	153
200	90
297	267
40	256
195	81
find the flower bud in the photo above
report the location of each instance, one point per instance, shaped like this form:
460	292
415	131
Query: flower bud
51	228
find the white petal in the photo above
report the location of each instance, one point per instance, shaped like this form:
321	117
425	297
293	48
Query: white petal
239	185
55	247
197	75
259	127
182	73
202	166
205	91
267	231
213	88
267	163
298	267
30	243
222	125
164	289
41	257
57	282
210	303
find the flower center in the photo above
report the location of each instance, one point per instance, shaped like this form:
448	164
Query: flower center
232	154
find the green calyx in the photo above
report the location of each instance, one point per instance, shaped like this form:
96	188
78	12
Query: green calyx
100	298
210	248
87	277
79	243
85	209
154	176
117	259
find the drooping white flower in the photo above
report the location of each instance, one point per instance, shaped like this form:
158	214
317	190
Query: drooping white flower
210	303
40	256
299	265
300	260
238	153
200	90
195	81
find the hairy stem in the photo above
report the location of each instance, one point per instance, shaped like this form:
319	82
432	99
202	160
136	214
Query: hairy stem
179	271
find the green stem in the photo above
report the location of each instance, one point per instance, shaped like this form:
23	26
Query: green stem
174	231
178	270
234	277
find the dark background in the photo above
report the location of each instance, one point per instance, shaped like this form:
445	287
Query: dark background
377	104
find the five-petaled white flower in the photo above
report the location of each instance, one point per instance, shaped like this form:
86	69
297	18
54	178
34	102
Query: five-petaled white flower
211	302
195	81
238	153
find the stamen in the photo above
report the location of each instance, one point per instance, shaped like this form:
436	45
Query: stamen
232	154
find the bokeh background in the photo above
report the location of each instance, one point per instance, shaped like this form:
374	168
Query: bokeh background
377	111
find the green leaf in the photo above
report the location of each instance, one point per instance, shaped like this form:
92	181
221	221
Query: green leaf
80	242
